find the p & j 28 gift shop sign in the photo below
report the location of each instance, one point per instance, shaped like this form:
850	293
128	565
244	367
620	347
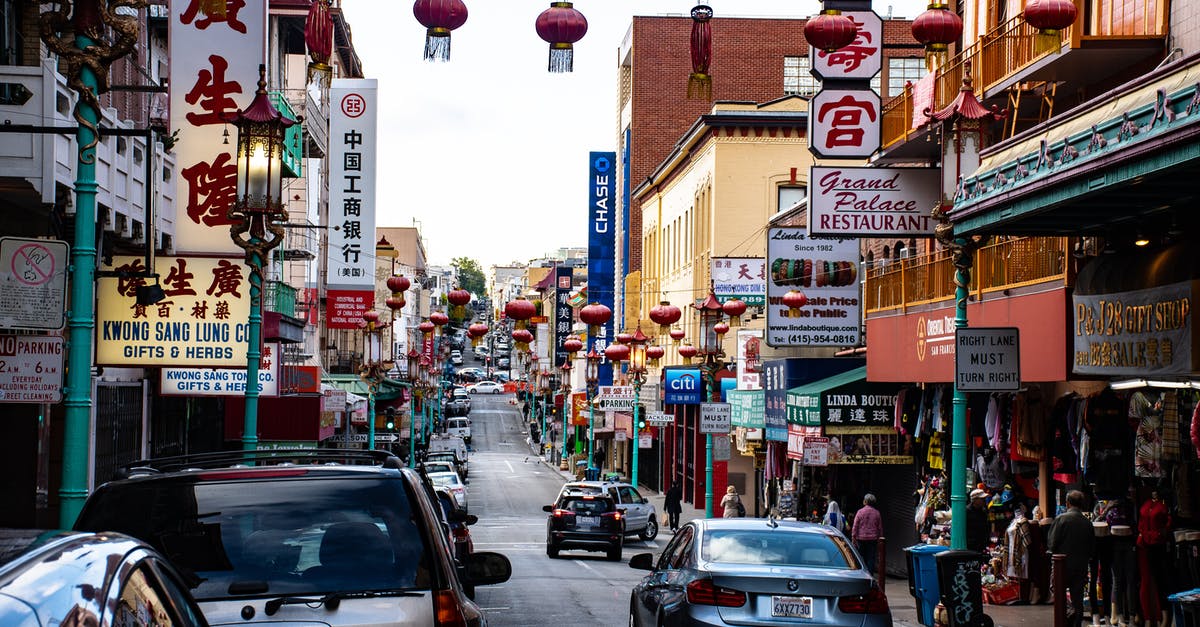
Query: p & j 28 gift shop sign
1140	332
202	322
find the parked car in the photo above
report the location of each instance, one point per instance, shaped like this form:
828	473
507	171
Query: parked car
503	362
438	465
452	482
591	522
457	407
459	522
486	387
446	443
640	515
459	427
73	578
460	465
740	571
456	358
314	536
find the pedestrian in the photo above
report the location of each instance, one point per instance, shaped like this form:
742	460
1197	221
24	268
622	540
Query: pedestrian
978	534
1072	535
732	503
867	529
674	506
834	517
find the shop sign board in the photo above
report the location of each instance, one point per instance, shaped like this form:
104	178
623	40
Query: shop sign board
861	59
31	368
564	314
1136	333
715	418
620	435
683	386
816	452
826	271
353	141
645	440
660	419
845	123
602	250
775	384
749	359
743	277
615	398
202	322
872	202
859	408
747	408
334	401
987	359
33	284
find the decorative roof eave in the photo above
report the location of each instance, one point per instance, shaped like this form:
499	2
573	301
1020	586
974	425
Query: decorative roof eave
966	106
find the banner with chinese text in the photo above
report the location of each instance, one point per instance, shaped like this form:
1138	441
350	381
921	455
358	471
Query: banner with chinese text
743	277
564	315
214	61
201	323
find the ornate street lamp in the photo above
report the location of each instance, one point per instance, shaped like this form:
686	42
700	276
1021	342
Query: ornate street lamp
712	327
566	406
592	378
257	218
414	365
637	368
374	367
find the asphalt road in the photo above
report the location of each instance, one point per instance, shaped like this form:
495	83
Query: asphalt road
508	488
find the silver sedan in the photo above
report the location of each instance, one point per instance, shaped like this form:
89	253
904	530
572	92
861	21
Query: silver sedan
755	571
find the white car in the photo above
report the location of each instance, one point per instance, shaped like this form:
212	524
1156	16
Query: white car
452	482
486	387
459	428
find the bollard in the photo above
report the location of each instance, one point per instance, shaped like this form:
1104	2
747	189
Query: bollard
1058	587
881	563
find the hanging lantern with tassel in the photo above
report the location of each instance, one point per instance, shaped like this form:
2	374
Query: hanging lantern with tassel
1050	17
439	17
458	299
687	352
677	335
655	353
734	308
519	310
700	81
665	314
936	29
561	26
795	300
318	38
830	30
595	316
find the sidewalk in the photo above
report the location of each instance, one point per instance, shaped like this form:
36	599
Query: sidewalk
904	606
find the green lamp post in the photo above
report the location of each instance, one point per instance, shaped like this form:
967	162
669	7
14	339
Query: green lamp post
711	315
414	365
566	405
374	367
637	369
592	376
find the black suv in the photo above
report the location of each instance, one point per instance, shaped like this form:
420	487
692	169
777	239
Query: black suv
590	522
307	536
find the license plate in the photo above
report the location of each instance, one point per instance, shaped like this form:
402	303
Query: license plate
791	607
590	521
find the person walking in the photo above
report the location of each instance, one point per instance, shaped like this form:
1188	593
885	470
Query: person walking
834	517
732	503
978	534
674	506
867	529
1072	535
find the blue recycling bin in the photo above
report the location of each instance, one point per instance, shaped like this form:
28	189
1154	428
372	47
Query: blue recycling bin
1185	608
592	473
923	579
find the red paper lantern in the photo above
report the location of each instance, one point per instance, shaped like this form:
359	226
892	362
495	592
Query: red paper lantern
476	332
830	30
655	352
794	300
617	352
519	310
665	314
426	327
522	337
371	317
595	316
677	334
734	308
439	17
1050	16
687	352
318	38
573	345
398	284
700	81
720	329
561	26
937	28
395	303
624	338
458	297
439	318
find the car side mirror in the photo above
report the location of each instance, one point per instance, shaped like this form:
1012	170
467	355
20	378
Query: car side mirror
547	508
485	569
471	519
642	561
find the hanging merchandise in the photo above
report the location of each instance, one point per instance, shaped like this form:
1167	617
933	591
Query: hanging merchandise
561	26
1145	410
700	81
318	38
935	459
1170	426
439	17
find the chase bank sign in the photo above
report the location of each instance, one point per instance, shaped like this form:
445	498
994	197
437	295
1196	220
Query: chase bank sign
683	387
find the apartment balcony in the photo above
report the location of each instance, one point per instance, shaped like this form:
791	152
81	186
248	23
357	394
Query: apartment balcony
999	269
38	169
293	143
1110	42
280	323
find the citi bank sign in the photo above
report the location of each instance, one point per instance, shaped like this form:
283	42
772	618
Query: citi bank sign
683	387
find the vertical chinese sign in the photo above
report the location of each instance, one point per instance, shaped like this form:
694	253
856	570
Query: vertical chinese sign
214	72
602	244
564	315
353	113
844	117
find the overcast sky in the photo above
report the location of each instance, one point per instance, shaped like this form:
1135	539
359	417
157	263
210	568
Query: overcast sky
488	152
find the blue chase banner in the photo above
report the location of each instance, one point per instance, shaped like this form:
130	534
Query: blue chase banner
684	386
602	253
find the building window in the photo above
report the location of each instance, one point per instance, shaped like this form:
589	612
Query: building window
902	70
798	78
790	196
10	33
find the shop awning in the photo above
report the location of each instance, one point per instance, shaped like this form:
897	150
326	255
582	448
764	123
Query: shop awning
389	389
804	402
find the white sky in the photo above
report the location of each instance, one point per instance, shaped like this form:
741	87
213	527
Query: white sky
488	153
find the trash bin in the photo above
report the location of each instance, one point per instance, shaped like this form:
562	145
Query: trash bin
593	474
1185	608
960	587
922	578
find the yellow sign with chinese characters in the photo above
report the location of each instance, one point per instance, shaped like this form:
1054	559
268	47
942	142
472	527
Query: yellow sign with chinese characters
202	322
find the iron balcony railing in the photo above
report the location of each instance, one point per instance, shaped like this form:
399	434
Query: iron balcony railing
1002	265
280	297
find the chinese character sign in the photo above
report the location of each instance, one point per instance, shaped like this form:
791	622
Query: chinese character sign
743	277
844	123
202	322
353	112
214	73
602	244
862	59
564	315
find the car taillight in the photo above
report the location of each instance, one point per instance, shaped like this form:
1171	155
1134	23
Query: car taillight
873	602
704	592
612	515
462	532
446	612
563	513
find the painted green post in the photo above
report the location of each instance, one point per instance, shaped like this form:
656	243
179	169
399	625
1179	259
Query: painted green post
81	323
253	354
708	477
412	432
591	429
370	416
962	253
637	399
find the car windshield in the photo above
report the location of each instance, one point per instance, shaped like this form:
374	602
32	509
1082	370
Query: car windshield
444	478
439	466
586	507
777	547
292	537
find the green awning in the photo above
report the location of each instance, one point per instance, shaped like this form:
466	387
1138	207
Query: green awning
389	389
804	402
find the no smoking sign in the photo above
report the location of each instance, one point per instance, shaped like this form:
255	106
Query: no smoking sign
33	283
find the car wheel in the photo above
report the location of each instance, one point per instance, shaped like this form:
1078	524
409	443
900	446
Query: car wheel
633	621
614	554
552	551
651	530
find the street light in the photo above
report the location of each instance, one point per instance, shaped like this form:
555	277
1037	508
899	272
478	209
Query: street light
592	377
414	365
257	218
566	405
637	368
711	324
374	367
